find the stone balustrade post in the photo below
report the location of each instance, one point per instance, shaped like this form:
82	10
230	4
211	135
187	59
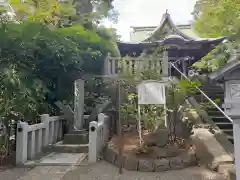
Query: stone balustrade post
93	137
22	143
45	120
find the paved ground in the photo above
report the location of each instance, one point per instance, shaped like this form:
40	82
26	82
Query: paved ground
46	173
13	173
105	171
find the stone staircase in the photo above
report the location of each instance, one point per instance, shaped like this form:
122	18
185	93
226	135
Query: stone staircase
215	93
74	142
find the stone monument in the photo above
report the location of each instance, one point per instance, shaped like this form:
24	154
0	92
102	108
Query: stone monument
78	104
76	134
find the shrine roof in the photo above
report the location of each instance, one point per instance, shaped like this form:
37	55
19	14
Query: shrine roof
165	28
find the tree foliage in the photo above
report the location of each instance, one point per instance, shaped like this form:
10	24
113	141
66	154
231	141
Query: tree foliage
40	66
214	60
40	61
216	18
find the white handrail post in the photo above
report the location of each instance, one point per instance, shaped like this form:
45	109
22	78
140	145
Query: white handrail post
22	142
93	138
45	120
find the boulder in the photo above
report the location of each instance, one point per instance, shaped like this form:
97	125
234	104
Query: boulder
157	138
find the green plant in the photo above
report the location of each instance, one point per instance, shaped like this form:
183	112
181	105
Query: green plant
214	60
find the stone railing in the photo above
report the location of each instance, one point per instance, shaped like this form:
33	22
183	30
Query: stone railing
31	139
130	65
98	136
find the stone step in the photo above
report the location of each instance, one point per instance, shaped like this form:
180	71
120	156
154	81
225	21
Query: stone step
214	113
219	119
230	138
224	125
228	132
82	131
210	86
66	148
76	137
220	93
199	97
211	91
212	108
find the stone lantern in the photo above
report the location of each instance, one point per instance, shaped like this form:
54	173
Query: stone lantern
229	75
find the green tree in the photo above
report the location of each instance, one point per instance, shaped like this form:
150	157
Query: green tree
47	11
217	18
64	12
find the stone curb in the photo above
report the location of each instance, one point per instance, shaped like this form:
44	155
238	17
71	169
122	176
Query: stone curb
142	165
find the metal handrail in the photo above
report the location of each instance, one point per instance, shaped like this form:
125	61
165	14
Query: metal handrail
202	93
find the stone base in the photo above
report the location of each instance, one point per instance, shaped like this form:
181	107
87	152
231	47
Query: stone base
76	137
67	148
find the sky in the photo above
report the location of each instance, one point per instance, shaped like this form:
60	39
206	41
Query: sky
149	13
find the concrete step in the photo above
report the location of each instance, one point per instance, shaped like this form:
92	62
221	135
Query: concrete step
66	148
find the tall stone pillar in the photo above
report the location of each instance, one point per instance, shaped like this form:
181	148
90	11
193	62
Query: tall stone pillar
165	65
231	107
230	74
236	135
78	104
113	66
106	70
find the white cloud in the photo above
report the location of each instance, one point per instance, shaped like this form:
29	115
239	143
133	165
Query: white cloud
149	12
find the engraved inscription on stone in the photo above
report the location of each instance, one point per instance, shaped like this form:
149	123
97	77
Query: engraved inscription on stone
235	90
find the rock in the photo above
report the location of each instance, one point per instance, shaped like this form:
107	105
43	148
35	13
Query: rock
110	155
176	163
119	160
188	159
160	152
161	165
159	138
131	163
172	151
145	166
